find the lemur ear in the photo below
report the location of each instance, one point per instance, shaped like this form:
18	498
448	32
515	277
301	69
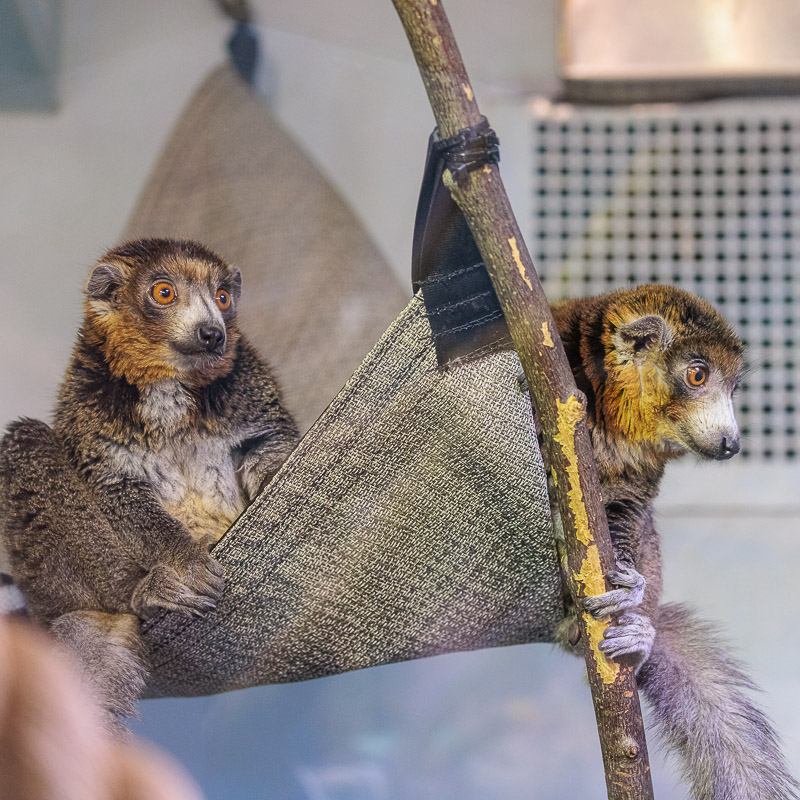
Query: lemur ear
236	283
103	283
636	339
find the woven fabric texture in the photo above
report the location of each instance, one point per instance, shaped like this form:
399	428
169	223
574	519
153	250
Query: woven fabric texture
412	520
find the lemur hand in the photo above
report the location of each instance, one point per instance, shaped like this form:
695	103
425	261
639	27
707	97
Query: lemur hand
253	479
633	634
627	594
257	470
189	585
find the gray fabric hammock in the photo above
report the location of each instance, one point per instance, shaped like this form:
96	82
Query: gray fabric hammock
413	518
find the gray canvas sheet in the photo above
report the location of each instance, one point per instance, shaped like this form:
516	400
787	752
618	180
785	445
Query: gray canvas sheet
412	520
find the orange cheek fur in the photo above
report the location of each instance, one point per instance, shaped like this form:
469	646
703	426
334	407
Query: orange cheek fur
637	394
130	355
639	397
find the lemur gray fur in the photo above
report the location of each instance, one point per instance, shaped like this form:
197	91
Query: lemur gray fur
167	424
659	368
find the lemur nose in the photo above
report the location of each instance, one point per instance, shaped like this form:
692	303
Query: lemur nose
210	337
729	446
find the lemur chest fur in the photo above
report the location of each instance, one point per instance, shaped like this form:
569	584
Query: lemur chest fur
191	471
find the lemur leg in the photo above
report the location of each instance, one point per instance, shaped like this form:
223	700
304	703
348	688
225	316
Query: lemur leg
109	650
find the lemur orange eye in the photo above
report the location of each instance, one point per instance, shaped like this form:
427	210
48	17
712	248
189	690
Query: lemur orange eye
223	299
696	376
163	293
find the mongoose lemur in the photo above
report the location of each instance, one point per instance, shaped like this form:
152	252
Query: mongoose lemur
167	424
659	368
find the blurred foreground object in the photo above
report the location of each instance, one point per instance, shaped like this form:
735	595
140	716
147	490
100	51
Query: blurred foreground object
51	743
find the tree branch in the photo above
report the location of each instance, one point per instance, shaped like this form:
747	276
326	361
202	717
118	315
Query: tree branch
560	406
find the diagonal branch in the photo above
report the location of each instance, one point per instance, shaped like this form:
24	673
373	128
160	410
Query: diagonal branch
560	406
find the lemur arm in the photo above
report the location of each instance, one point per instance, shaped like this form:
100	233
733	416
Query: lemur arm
627	510
268	432
179	574
150	534
627	513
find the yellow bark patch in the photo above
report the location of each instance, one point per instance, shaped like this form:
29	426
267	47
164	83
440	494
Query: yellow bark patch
590	577
548	339
570	414
518	260
437	41
591	573
467	91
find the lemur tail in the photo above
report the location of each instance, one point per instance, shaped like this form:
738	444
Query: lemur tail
699	695
110	654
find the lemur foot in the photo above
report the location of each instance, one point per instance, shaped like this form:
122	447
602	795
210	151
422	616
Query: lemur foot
632	635
192	592
627	594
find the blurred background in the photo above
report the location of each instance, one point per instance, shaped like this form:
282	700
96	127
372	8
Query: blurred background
668	151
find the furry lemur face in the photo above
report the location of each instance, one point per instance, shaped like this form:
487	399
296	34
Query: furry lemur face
160	308
674	365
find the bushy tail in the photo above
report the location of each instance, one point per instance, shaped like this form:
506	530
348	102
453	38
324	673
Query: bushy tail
699	694
109	651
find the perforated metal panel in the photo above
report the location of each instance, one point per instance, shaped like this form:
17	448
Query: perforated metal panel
705	197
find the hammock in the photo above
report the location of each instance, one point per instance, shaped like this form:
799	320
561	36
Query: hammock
413	518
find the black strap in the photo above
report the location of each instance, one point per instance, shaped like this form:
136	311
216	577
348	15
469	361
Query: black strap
244	47
461	303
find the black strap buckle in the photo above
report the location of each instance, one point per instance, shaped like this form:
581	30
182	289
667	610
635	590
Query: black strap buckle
460	300
470	149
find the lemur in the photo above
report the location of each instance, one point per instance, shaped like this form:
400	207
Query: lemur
167	424
659	368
